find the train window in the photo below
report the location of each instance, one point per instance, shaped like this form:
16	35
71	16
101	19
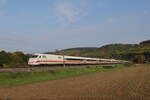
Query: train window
40	57
91	60
59	57
34	56
74	59
44	56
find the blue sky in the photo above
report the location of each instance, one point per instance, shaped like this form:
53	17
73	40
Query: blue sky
45	25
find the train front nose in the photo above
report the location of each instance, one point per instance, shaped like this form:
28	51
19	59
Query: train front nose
32	61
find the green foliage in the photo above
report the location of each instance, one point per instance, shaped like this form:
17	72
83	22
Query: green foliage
15	59
133	54
4	58
147	42
139	59
85	51
9	79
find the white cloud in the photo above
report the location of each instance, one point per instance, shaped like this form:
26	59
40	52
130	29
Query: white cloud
70	12
67	11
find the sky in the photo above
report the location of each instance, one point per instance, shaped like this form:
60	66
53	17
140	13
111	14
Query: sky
35	26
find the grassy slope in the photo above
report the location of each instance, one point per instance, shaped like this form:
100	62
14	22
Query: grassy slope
85	51
107	50
112	49
10	79
104	51
137	50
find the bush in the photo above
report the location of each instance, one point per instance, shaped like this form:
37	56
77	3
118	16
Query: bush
16	59
139	59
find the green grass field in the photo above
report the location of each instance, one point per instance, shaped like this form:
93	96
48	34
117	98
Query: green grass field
11	79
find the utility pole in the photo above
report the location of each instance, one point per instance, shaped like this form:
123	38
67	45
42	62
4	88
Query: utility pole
64	61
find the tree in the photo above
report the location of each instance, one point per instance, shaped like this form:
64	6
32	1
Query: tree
15	59
4	58
139	59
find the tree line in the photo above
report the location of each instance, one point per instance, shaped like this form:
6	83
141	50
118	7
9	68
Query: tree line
134	57
15	59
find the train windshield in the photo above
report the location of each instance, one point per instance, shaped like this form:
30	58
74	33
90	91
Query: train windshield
34	56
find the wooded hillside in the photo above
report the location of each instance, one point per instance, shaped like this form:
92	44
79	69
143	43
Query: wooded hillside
130	52
138	53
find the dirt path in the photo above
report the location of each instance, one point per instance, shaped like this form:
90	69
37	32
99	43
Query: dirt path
126	84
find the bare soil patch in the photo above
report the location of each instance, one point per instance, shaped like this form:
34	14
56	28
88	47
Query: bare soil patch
132	83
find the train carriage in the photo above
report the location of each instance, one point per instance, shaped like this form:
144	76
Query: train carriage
51	59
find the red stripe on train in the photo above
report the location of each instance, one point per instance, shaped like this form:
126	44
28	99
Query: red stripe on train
66	61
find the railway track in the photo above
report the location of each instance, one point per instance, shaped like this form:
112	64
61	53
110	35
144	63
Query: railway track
45	68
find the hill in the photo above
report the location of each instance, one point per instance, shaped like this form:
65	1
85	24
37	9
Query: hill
118	51
147	42
104	51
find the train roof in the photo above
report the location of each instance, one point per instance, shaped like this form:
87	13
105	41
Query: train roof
74	57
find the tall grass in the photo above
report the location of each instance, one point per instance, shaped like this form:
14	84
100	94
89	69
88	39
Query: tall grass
10	79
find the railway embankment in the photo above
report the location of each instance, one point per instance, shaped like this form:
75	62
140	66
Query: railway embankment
47	67
18	78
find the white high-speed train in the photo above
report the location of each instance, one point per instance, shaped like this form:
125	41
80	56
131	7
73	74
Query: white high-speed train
51	59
